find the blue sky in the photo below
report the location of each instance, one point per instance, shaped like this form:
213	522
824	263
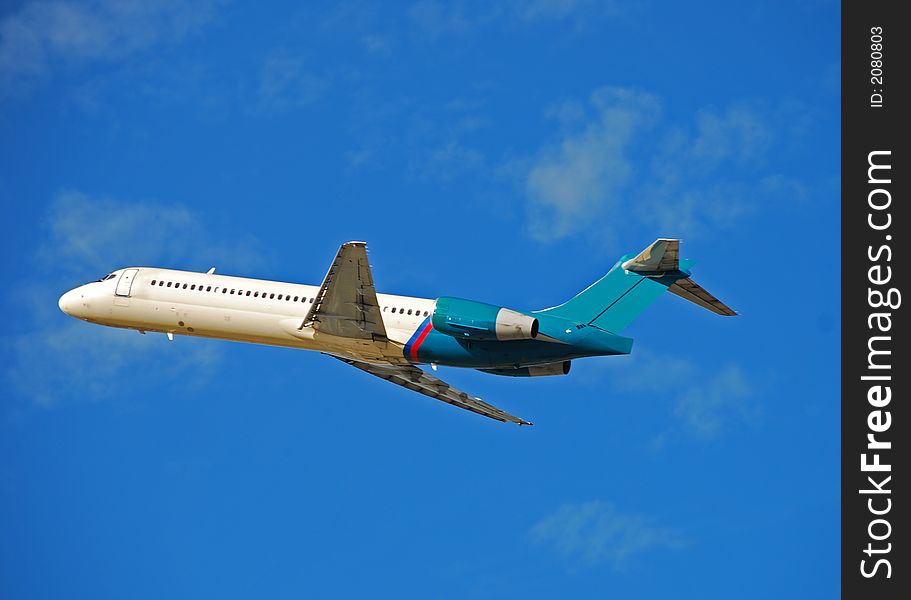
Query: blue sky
506	152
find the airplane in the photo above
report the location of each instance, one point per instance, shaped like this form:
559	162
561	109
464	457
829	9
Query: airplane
390	336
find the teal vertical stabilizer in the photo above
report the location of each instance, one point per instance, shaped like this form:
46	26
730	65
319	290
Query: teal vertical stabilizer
618	298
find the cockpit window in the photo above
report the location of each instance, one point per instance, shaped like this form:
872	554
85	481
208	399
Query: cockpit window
111	276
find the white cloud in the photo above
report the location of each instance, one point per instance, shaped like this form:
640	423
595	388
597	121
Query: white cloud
287	81
596	531
582	175
536	9
560	10
41	36
434	18
90	235
708	407
434	141
77	361
705	404
617	161
735	132
450	159
58	358
377	44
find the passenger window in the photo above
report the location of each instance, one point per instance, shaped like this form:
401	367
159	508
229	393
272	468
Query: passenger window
295	298
153	282
248	292
232	291
224	290
193	287
425	313
160	283
271	296
209	288
279	296
409	311
384	308
169	284
311	300
256	294
401	311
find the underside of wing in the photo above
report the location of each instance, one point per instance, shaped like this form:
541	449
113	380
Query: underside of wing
417	380
346	303
690	290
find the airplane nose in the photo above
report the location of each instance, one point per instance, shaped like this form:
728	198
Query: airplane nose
67	302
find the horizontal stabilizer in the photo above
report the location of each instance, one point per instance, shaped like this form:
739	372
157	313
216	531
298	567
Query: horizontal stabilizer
663	256
688	289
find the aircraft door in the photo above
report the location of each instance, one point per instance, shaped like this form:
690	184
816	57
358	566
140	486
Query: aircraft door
125	282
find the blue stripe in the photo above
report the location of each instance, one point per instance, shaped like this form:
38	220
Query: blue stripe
414	337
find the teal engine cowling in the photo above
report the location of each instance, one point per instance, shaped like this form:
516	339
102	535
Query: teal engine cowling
471	320
557	368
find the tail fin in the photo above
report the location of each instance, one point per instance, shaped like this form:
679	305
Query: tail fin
615	300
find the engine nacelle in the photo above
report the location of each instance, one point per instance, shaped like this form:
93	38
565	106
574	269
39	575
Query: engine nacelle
557	368
472	320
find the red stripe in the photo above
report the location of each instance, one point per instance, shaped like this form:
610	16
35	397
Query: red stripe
419	341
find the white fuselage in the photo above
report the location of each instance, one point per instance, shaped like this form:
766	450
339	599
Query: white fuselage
234	308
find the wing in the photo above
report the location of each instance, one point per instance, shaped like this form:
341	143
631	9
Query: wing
346	303
690	290
417	380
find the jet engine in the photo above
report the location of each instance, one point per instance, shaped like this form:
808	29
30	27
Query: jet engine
472	320
557	368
